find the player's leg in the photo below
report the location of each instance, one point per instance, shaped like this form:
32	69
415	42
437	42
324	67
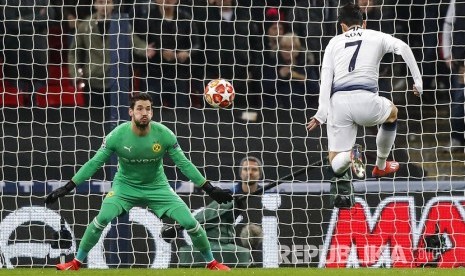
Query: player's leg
342	131
341	187
94	230
341	139
342	161
181	214
369	109
111	208
384	142
184	217
385	138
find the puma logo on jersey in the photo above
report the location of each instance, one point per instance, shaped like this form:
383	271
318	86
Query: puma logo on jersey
127	148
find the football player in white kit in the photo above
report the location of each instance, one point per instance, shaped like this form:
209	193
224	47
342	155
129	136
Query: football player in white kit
349	97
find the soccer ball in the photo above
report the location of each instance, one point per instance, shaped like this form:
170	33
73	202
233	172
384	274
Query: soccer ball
219	93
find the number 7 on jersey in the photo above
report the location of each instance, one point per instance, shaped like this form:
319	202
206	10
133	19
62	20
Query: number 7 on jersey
354	56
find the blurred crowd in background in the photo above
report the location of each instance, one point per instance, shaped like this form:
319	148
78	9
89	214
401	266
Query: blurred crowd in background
270	50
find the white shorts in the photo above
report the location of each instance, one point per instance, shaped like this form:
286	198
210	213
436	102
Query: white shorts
347	110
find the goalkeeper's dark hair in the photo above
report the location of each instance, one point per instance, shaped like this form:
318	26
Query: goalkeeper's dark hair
350	14
253	159
140	97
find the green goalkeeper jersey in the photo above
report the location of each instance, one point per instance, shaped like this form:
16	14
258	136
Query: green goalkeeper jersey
140	158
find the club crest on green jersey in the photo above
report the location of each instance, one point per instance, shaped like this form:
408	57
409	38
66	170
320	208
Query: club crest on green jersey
156	147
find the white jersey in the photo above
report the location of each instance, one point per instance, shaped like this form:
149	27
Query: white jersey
351	62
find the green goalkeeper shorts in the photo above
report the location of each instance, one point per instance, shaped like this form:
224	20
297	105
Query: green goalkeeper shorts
161	200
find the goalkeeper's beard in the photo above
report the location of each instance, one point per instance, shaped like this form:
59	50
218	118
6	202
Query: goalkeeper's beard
140	125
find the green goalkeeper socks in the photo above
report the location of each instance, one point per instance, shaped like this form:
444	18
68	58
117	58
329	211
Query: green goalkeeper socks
198	236
90	238
207	255
81	255
107	213
201	243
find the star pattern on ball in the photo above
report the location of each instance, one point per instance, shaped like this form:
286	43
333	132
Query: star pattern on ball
219	93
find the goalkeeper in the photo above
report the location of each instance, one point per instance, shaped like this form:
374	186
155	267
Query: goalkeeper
140	181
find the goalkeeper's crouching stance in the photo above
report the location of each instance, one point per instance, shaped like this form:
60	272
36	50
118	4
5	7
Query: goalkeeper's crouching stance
140	181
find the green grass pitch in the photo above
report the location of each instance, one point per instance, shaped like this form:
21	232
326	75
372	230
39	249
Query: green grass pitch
238	271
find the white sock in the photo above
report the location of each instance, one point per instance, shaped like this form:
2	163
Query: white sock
381	163
384	141
341	162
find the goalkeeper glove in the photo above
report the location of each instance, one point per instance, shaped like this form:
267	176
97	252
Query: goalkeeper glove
60	192
219	195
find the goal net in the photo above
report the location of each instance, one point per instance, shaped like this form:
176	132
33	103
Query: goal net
67	72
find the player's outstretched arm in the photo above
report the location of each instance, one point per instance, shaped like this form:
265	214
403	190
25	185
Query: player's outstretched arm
401	48
60	192
219	195
89	168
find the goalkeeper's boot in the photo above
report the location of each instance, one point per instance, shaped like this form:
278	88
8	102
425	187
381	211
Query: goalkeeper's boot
72	265
391	167
342	191
215	265
357	163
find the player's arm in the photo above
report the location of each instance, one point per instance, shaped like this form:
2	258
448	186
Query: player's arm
91	166
399	47
326	75
84	173
189	170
